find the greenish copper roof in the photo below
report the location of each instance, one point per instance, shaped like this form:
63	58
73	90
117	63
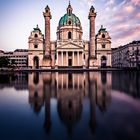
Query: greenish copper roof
102	29
36	29
74	19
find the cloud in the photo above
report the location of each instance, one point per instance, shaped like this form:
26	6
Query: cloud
121	18
129	9
86	2
126	35
135	2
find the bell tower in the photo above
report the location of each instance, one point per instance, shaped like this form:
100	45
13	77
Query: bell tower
92	16
47	16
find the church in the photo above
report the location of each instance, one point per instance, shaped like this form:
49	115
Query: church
70	50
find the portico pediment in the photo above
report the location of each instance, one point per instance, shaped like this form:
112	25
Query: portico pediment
69	45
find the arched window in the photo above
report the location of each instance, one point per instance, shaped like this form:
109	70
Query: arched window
103	36
69	35
69	22
36	35
35	46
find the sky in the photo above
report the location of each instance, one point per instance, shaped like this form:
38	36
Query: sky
121	18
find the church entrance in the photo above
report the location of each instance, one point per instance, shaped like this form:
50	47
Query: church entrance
36	62
70	59
103	61
70	62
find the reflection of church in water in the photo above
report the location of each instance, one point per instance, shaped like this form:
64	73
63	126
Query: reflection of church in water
69	90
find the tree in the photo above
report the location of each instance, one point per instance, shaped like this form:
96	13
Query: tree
4	62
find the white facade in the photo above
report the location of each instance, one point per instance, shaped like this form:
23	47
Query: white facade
70	49
36	49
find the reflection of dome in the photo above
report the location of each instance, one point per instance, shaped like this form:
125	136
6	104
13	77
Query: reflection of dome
36	102
69	110
69	19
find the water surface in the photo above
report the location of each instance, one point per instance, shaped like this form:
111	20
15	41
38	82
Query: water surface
87	106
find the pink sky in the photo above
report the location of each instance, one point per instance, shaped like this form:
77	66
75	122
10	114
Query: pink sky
18	18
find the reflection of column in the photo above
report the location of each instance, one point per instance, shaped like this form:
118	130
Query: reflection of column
73	58
62	82
78	81
73	81
47	92
57	80
92	96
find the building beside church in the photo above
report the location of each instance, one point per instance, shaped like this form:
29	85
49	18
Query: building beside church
127	56
19	57
69	50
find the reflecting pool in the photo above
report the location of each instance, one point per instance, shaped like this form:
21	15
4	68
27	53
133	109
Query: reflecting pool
76	106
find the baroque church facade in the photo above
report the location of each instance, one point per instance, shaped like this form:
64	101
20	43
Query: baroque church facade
69	50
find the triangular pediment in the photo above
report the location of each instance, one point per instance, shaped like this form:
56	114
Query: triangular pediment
70	45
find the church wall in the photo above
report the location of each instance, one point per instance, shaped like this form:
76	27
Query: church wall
39	43
66	29
53	52
107	46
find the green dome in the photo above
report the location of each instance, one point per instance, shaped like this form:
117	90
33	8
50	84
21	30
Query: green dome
69	19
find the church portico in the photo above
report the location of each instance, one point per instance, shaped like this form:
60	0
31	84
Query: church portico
69	58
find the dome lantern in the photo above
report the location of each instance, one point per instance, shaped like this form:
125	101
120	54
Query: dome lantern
69	9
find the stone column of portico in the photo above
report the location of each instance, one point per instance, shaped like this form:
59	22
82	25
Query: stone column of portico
67	58
78	57
62	57
73	59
